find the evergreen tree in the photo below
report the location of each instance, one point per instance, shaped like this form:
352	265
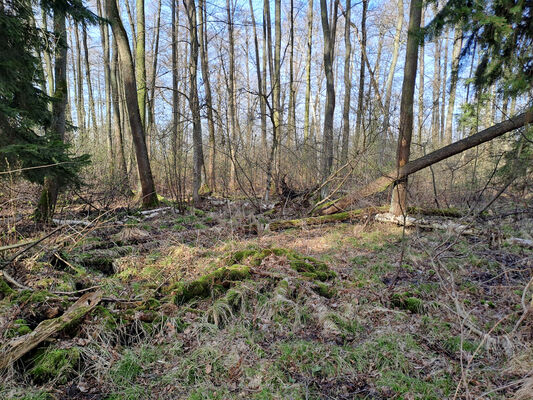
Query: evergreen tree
27	139
503	33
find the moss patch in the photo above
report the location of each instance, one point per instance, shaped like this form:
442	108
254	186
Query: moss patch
307	266
203	286
407	301
57	364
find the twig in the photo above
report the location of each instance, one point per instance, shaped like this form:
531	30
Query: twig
5	263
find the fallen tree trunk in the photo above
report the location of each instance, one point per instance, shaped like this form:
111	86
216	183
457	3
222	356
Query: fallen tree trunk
324	219
383	182
16	348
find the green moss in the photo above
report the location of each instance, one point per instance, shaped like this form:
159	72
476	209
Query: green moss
5	290
20	327
54	363
407	301
308	266
108	319
203	286
324	290
238	256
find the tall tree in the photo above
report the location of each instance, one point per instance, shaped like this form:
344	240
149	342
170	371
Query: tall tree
360	95
328	30
421	89
232	137
92	107
399	196
347	84
47	201
308	70
194	103
118	132
204	56
140	61
150	122
149	195
456	53
392	68
104	37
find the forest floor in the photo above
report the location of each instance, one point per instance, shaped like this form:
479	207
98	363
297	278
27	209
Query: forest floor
197	307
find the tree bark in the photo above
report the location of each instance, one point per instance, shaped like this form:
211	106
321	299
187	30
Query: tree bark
150	122
308	71
140	61
80	103
421	89
456	52
347	85
92	109
232	142
149	196
117	122
328	31
399	196
390	76
380	184
359	117
104	35
202	14
47	201
198	154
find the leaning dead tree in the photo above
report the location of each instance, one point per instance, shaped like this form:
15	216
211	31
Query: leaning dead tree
380	184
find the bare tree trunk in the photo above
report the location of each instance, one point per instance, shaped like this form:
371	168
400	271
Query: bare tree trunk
151	126
329	45
198	154
292	87
47	58
140	62
399	196
175	94
117	122
347	85
275	71
149	196
92	109
435	116
456	52
421	88
104	35
308	70
80	103
443	89
207	87
360	95
232	142
390	76
47	201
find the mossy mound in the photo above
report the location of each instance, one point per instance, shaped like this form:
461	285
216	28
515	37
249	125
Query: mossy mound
307	266
407	301
20	327
55	364
324	290
5	289
203	286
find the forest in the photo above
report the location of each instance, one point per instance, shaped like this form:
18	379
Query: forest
255	199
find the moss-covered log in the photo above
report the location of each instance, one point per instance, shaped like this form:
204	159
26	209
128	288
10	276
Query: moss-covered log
324	219
203	286
16	348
